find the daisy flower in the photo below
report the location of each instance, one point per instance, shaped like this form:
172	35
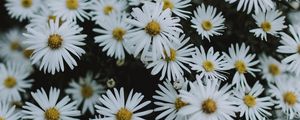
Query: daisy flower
207	102
22	9
156	29
209	65
177	7
7	112
269	22
175	63
291	46
102	8
69	9
207	21
113	34
272	69
114	106
251	105
13	80
53	43
239	59
169	102
86	91
50	107
253	5
287	96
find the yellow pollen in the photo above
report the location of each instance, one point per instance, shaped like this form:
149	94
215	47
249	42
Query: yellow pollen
168	4
179	103
124	114
266	26
27	53
14	46
208	66
55	41
86	91
72	4
207	25
209	106
250	101
26	3
108	9
240	66
290	98
152	28
118	33
52	114
274	69
172	56
10	82
1	118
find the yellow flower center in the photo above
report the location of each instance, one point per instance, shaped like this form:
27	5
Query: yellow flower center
72	4
290	98
52	114
86	91
168	4
207	25
55	41
124	114
118	33
240	66
1	118
209	106
250	101
274	69
52	17
108	9
208	66
152	28
26	3
172	56
266	26
179	103
14	46
27	53
10	82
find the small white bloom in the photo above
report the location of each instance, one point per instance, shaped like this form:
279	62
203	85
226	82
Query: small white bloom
22	9
7	112
50	107
269	22
115	106
253	5
87	92
207	21
177	7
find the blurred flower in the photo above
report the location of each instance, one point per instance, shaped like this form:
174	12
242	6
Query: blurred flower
111	83
253	5
22	9
7	112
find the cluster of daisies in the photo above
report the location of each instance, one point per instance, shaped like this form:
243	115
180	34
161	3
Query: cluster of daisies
226	86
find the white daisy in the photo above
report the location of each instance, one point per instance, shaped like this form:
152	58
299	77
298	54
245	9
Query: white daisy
207	21
239	59
87	91
269	22
69	9
253	5
209	65
207	102
251	105
287	96
22	9
13	80
291	46
102	8
177	7
272	69
7	112
50	107
156	29
169	102
175	62
116	107
113	34
53	43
